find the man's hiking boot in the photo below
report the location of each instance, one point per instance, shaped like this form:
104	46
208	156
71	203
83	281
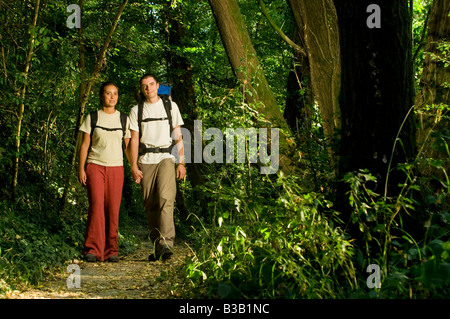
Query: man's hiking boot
165	253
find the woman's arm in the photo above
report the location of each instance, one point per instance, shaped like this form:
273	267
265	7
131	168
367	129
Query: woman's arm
82	158
132	156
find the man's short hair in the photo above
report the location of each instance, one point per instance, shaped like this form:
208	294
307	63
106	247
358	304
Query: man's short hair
147	75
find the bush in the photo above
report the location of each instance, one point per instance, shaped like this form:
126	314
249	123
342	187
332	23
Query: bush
28	251
282	247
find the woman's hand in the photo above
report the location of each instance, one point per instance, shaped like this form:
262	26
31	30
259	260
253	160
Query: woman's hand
137	174
82	177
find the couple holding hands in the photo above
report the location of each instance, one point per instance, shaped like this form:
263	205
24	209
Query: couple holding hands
146	137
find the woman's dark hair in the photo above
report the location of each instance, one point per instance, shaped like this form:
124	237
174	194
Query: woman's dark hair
102	89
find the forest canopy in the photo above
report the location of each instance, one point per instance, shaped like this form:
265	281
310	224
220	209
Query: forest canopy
358	94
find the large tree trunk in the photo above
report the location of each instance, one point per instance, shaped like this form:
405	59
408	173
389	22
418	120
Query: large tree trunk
434	90
376	89
318	22
22	97
245	64
376	93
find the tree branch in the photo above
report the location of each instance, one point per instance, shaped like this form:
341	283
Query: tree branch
279	31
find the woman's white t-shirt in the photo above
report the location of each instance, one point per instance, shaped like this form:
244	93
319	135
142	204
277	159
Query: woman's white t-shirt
106	146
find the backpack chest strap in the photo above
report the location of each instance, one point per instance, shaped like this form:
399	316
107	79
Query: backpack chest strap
151	119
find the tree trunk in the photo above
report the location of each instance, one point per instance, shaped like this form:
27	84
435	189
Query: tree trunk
318	20
376	98
22	97
183	93
245	64
434	89
376	89
299	97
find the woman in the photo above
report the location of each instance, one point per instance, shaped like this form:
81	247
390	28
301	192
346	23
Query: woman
101	171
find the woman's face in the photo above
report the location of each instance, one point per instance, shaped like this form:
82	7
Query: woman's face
110	96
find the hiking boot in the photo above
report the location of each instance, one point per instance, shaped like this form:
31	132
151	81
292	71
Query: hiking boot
90	258
165	253
113	259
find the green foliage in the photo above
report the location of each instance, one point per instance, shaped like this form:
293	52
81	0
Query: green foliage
414	265
30	249
421	9
260	236
271	240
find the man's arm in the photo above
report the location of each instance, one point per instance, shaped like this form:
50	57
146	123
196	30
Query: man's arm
181	169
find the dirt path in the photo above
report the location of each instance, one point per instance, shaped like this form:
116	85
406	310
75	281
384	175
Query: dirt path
133	277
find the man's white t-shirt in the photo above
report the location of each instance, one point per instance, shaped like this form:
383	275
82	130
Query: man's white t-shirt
106	146
155	133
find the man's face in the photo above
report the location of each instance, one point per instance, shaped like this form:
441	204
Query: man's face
149	87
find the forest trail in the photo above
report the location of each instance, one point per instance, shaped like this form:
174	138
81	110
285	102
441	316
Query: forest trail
133	277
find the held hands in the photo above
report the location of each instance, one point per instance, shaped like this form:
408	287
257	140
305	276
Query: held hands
137	175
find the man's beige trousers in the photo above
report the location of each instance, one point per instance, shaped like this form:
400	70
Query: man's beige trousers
159	190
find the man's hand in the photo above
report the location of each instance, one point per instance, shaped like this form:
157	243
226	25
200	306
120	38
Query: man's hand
136	173
181	171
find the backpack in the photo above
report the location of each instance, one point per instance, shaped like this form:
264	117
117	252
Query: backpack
123	122
163	93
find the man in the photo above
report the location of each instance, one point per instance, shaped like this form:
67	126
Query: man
152	163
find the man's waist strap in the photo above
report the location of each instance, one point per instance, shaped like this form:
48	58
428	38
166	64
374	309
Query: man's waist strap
144	150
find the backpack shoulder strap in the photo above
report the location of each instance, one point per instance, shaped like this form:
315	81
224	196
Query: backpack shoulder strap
139	116
123	122
140	111
168	107
94	117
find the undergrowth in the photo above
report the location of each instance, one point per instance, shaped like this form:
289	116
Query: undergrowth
281	236
273	246
37	240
